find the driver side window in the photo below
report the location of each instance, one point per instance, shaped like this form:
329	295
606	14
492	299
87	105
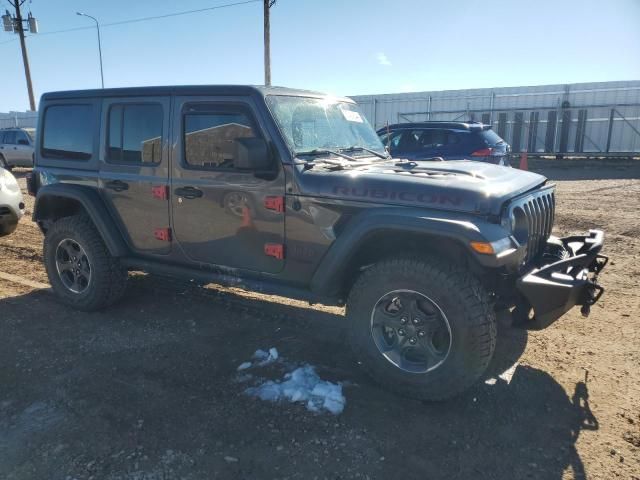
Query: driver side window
391	139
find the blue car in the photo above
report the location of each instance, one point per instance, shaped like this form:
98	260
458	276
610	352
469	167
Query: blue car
449	140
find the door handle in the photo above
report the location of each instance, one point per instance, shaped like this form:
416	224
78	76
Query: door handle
189	192
117	185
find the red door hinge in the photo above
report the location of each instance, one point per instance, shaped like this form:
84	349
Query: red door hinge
274	203
160	192
275	250
163	234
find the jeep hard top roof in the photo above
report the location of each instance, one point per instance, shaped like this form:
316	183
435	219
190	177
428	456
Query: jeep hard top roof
471	126
185	90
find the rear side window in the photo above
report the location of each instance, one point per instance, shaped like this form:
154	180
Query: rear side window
209	137
135	134
68	132
9	137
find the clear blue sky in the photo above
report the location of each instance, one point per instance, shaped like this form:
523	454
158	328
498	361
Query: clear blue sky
345	47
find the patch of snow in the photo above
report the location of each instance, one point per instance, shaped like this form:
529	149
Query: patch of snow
260	355
265	358
302	385
244	366
507	375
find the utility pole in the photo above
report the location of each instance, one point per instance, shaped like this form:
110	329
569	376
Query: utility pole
16	25
267	41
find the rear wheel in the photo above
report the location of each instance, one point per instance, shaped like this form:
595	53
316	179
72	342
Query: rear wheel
421	327
81	270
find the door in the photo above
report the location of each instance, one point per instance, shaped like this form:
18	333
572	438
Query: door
222	215
134	169
24	149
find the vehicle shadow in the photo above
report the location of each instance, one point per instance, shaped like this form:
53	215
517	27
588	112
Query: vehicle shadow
149	389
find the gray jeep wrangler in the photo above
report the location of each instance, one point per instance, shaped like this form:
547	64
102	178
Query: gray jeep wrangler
291	192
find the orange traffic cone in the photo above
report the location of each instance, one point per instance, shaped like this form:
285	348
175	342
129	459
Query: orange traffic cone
524	165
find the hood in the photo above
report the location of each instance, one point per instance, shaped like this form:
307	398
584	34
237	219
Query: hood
461	185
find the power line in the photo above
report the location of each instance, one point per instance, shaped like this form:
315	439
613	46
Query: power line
156	17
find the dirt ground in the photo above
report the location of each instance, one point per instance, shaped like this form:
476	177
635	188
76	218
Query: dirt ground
148	390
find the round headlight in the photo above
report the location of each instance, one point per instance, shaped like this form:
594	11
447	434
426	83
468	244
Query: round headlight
520	225
516	223
508	222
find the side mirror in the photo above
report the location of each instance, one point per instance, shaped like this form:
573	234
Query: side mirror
22	141
252	154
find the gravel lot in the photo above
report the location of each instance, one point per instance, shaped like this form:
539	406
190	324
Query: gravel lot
148	390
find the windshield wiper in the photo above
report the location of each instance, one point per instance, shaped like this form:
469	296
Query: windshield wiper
324	151
357	148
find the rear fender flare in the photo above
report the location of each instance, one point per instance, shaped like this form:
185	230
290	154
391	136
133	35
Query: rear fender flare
92	204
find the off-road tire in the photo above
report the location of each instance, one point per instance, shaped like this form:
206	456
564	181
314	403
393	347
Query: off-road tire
462	299
108	277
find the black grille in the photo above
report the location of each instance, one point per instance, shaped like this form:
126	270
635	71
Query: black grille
539	210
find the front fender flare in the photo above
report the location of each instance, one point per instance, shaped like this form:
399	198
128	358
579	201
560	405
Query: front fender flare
461	228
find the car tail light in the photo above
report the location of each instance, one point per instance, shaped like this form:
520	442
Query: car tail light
483	152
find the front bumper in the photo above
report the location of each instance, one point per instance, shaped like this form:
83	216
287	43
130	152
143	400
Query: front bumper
553	289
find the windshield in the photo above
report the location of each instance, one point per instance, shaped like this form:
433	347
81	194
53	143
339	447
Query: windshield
310	124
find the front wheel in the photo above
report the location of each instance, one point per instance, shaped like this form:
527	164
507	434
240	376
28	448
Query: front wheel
421	327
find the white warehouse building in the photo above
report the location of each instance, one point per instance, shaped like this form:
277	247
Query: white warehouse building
590	118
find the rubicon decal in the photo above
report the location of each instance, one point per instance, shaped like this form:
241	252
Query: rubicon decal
403	196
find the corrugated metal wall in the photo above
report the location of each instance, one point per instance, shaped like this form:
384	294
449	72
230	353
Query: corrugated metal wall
574	118
19	119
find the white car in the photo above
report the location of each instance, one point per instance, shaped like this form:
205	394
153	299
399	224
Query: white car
11	203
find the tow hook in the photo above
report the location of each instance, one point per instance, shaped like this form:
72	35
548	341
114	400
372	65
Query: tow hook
594	292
